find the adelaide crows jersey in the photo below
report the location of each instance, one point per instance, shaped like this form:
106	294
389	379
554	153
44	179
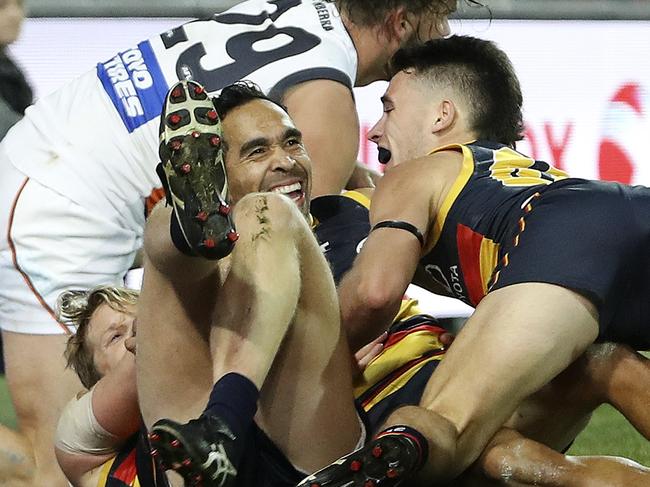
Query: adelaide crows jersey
133	466
481	216
95	139
398	375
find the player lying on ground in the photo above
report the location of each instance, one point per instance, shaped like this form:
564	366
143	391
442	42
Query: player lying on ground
83	161
551	263
99	445
187	301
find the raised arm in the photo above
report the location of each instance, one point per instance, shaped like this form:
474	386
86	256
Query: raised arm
371	292
94	425
324	111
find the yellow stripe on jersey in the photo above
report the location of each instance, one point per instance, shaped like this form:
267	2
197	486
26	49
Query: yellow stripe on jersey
398	383
412	346
407	308
514	169
466	172
104	472
359	197
489	257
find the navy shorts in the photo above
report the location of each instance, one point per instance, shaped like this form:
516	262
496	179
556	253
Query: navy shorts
592	237
264	465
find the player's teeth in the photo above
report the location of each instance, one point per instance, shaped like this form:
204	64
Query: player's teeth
287	189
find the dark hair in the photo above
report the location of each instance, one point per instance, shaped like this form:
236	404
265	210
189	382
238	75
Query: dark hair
482	73
238	94
374	12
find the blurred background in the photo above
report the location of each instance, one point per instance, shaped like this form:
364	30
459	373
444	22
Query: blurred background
583	65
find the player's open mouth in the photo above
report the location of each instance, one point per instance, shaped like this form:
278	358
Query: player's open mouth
384	155
293	191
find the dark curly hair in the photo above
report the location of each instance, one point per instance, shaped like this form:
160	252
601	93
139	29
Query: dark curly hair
479	70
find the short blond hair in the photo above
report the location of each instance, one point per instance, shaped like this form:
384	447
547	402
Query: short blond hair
75	308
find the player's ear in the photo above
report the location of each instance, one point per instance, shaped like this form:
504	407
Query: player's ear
398	25
444	116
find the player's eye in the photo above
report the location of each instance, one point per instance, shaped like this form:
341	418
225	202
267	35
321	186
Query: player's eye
294	142
256	152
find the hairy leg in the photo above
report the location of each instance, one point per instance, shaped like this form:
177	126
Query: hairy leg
277	322
278	300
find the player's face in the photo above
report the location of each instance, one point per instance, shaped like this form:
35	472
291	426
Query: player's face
402	133
108	330
12	14
265	152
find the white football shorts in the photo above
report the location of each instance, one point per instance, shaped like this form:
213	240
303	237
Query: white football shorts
49	244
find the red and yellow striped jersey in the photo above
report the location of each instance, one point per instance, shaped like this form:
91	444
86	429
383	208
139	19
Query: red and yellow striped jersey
481	215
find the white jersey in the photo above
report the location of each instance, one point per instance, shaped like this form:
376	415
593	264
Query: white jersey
95	140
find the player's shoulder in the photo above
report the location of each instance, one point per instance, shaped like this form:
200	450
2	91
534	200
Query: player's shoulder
427	176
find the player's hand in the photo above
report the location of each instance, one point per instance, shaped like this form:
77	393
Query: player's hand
368	352
447	339
130	342
362	177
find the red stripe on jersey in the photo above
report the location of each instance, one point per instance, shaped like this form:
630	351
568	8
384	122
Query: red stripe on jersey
127	470
469	256
397	337
387	381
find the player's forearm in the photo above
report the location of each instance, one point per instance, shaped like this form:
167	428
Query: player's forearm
366	310
115	399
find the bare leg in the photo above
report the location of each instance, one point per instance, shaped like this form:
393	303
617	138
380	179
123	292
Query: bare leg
556	414
514	460
621	376
16	460
36	370
174	310
510	348
279	297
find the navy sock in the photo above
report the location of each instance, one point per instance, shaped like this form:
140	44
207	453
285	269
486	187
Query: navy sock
414	435
234	400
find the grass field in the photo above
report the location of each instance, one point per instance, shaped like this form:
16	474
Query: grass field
607	434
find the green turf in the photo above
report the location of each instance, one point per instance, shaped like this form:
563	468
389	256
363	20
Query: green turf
608	433
7	416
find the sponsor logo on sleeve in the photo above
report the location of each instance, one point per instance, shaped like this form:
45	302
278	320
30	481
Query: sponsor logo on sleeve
135	84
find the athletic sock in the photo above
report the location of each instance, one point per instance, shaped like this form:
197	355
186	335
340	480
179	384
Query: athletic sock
412	434
178	239
234	400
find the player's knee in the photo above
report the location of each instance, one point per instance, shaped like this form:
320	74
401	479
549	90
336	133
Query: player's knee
262	214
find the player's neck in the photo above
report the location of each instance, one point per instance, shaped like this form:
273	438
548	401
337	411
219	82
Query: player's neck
455	135
373	53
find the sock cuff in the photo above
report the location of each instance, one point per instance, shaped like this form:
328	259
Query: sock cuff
235	392
413	435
